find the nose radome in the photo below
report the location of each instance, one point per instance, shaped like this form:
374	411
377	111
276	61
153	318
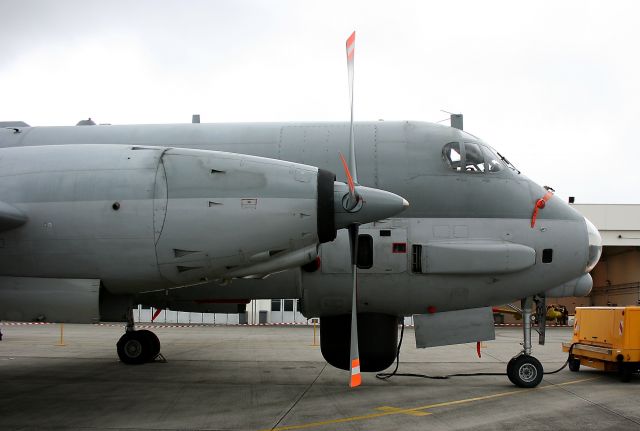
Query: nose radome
595	245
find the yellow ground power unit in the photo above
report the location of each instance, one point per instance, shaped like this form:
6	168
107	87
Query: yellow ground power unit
606	338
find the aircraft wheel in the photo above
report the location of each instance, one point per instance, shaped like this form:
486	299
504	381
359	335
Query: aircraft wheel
574	364
134	348
527	371
510	369
153	341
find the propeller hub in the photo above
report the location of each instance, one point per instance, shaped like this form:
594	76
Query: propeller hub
349	205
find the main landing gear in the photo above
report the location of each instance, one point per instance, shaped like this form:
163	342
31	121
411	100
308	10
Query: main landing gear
137	347
524	370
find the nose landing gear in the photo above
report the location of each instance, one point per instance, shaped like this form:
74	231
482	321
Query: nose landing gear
137	347
524	370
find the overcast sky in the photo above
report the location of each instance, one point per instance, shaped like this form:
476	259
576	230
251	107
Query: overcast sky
552	85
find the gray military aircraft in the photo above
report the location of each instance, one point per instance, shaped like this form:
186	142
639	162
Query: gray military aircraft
97	218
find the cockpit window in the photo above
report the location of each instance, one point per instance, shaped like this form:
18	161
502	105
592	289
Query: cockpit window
474	160
508	163
452	155
492	160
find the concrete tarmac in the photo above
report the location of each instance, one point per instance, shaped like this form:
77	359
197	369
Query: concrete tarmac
273	378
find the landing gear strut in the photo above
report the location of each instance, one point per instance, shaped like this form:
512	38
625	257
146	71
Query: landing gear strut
137	347
524	370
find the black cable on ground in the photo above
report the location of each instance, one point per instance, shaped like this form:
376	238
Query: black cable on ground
386	376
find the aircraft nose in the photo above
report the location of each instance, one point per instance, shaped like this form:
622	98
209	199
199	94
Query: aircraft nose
595	245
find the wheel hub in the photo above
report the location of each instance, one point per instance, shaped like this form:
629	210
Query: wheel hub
133	348
527	372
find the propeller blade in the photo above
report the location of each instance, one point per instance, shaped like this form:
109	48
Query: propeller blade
351	44
352	187
353	195
352	205
354	359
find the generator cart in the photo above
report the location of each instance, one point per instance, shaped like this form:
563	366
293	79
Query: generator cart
606	338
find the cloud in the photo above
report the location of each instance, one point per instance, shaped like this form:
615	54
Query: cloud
553	85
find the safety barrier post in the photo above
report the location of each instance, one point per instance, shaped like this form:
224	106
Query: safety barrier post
315	321
61	342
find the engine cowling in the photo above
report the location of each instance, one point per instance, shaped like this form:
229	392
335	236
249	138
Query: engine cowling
225	212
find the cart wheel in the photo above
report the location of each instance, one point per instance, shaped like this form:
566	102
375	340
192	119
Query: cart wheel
574	364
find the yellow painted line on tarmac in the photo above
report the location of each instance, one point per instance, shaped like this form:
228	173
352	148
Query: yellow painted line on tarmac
416	411
401	411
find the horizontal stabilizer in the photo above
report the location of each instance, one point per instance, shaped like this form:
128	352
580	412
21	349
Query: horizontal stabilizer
10	217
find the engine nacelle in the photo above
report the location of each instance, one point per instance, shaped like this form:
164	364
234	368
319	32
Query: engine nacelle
142	218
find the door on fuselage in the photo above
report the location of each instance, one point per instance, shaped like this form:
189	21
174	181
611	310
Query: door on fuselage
380	251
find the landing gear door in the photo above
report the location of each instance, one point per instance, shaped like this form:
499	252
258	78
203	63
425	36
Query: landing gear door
390	250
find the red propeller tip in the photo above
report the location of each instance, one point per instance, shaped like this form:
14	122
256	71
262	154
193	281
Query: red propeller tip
351	46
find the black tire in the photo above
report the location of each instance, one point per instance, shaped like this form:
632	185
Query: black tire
510	369
527	371
153	341
574	364
134	348
625	371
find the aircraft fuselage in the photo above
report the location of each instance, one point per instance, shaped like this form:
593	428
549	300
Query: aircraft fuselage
466	240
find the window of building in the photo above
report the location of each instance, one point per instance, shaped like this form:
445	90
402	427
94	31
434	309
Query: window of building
288	305
452	155
275	305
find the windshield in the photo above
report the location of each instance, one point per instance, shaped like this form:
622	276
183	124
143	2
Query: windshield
474	160
492	160
451	155
474	157
508	163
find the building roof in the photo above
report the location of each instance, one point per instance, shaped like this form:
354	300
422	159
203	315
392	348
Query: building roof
619	224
